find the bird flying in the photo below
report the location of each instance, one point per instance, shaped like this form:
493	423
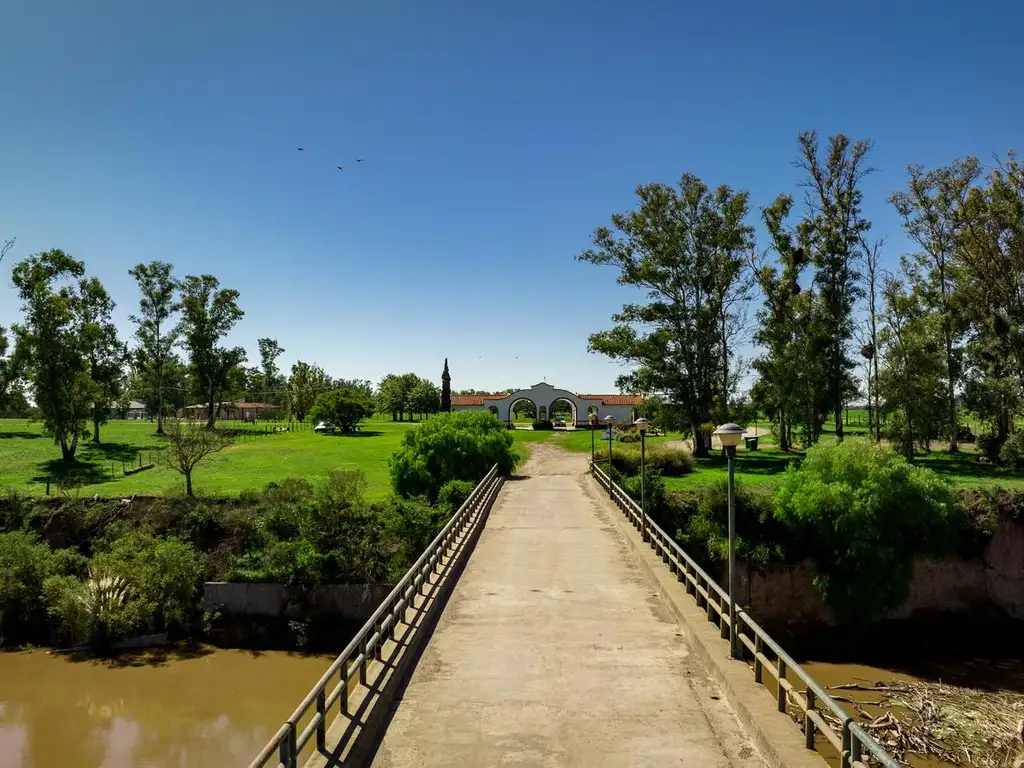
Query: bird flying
301	149
359	159
340	167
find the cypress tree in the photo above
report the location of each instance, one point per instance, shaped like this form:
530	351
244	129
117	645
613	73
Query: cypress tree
446	389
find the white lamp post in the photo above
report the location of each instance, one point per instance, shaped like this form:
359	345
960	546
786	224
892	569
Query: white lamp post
609	420
730	436
642	424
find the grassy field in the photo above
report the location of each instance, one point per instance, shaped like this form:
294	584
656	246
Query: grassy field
251	463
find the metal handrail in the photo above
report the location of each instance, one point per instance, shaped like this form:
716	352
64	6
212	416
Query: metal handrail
365	647
853	741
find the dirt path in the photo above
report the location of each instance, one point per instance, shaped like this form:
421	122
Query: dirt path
555	650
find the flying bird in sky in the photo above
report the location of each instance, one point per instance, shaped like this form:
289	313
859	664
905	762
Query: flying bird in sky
359	159
301	149
340	167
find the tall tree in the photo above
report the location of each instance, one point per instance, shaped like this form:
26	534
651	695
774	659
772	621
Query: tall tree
270	350
8	244
154	327
834	230
107	356
870	351
932	208
670	246
446	389
307	381
164	392
208	312
424	397
49	341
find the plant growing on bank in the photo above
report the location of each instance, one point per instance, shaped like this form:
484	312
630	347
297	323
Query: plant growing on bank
454	446
188	444
862	512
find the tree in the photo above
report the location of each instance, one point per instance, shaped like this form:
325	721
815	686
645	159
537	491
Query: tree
912	370
49	341
162	391
344	407
446	389
270	350
8	244
155	331
307	381
932	209
106	354
424	397
870	351
393	396
208	312
188	444
833	228
10	374
671	246
363	385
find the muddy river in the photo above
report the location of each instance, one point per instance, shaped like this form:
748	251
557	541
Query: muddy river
195	707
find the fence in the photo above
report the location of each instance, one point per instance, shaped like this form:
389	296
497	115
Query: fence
426	575
820	713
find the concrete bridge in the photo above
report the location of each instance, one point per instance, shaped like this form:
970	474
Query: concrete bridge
541	629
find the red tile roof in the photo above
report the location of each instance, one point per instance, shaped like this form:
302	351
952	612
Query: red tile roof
614	399
476	399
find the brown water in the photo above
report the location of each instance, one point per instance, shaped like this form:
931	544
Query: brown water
197	707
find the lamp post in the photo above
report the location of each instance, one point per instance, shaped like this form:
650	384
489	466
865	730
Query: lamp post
642	424
730	435
609	420
592	418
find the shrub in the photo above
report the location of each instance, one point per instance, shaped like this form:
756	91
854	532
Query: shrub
990	446
653	491
862	512
1012	452
543	424
670	462
964	434
344	407
25	564
454	493
453	446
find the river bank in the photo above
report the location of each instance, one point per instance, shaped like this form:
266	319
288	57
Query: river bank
182	705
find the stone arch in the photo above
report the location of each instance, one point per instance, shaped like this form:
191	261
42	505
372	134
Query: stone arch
520	399
572	408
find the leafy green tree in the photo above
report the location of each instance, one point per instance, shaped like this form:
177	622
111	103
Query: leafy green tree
681	247
270	350
10	374
25	563
107	356
424	398
344	407
863	513
306	382
932	210
363	385
833	230
162	390
911	379
208	312
50	342
154	327
454	446
393	394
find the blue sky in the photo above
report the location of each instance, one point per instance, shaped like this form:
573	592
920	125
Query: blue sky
495	137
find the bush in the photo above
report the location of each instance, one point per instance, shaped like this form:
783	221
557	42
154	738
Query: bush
1012	452
344	407
653	491
25	564
543	425
454	493
670	462
862	512
990	446
453	446
964	434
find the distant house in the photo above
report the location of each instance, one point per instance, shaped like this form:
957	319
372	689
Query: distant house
136	410
239	410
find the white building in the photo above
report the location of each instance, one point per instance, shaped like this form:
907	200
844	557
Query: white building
623	408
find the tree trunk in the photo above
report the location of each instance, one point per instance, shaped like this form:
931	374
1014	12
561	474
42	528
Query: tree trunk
700	448
67	453
950	394
188	483
211	407
783	437
159	396
95	426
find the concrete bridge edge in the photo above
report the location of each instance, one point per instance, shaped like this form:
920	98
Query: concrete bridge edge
776	736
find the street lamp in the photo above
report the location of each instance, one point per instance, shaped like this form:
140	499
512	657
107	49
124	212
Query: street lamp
609	420
592	418
730	435
642	424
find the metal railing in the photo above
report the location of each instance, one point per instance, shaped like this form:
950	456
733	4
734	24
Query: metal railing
851	741
288	743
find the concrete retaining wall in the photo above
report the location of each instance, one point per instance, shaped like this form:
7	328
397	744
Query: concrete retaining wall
786	594
350	601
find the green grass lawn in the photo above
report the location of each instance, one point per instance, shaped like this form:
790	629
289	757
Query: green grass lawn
251	463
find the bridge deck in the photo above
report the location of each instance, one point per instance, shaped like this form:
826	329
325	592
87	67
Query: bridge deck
554	650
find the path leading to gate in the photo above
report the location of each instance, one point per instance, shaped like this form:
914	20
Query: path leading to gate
554	649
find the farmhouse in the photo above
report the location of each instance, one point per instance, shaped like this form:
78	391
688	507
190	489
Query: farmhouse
623	408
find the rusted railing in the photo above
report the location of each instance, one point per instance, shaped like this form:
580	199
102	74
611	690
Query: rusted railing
853	743
288	744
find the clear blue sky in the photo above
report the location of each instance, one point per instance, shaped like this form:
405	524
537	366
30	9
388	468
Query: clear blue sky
496	136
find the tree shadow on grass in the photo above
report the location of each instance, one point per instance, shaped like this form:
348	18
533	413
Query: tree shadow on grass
22	435
125	452
751	463
366	433
73	473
